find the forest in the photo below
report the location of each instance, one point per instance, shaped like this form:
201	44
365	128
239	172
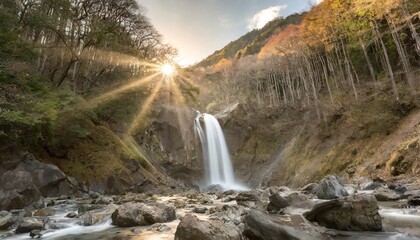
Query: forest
339	48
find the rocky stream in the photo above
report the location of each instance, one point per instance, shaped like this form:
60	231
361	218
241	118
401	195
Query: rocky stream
330	209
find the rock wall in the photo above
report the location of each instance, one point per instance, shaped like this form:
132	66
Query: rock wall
290	146
171	143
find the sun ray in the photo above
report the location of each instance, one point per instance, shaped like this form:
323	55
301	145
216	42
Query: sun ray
189	81
145	107
110	57
182	117
113	93
179	98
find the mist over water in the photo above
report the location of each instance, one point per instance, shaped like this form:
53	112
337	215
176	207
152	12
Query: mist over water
217	162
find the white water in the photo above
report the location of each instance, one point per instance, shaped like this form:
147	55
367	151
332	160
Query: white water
219	170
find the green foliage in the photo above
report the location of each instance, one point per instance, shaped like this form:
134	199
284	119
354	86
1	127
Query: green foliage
30	105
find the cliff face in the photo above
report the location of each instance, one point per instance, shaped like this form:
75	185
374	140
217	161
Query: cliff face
291	147
171	144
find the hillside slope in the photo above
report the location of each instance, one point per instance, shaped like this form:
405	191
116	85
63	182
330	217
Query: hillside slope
252	42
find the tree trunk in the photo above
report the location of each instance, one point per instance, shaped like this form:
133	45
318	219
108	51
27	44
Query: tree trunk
65	72
412	28
388	63
403	56
369	63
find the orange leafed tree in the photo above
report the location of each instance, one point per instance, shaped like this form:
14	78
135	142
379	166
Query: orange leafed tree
223	65
279	40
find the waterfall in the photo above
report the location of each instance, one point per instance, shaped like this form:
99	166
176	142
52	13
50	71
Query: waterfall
218	165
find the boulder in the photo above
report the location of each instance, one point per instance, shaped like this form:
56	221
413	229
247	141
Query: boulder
200	210
372	185
247	196
44	212
192	228
400	189
6	220
385	194
71	215
29	224
277	202
299	200
330	188
309	188
35	234
228	213
250	199
260	226
139	214
413	200
16	199
354	213
92	218
31	180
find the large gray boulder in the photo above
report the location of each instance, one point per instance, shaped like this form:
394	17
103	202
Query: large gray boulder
192	228
139	214
6	220
330	187
260	226
29	224
23	179
354	213
385	194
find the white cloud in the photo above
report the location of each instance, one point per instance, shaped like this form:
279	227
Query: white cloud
264	16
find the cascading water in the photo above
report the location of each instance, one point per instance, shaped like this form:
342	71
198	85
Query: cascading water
219	170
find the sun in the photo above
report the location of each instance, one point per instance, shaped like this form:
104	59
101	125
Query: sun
167	70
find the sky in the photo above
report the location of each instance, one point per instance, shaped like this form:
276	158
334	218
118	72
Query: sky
197	28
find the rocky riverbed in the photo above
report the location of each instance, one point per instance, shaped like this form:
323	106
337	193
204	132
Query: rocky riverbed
325	210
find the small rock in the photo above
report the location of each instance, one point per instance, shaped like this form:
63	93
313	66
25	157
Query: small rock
372	185
104	201
88	207
136	231
350	170
200	210
44	212
163	228
71	215
309	188
277	202
63	197
35	234
247	196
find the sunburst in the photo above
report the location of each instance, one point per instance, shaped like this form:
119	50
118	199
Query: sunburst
169	78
